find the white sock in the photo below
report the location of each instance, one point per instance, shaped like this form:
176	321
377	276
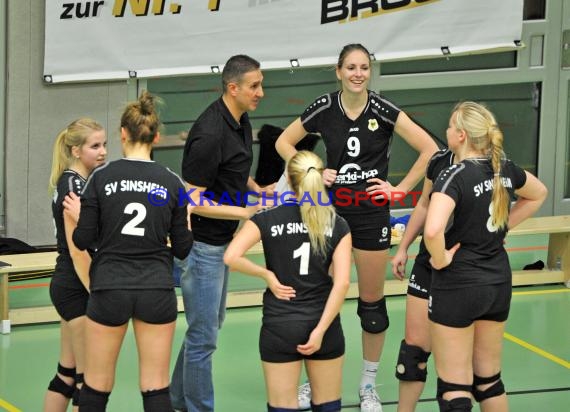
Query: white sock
369	371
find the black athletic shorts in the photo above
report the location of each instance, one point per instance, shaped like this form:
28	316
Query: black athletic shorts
459	308
278	341
371	231
69	302
420	280
115	307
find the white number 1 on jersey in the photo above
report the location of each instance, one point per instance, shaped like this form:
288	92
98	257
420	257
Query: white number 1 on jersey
304	252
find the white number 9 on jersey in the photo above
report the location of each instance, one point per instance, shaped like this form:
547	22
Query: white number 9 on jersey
353	145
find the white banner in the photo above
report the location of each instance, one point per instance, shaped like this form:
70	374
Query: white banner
117	39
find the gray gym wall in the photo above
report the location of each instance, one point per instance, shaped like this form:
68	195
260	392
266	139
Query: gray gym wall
34	114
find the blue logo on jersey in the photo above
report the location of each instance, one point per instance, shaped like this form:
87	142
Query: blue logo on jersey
158	196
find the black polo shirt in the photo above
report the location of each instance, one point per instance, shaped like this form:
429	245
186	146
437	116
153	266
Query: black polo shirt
218	156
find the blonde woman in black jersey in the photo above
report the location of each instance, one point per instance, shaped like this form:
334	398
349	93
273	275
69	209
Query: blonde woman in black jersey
128	209
78	149
468	217
301	305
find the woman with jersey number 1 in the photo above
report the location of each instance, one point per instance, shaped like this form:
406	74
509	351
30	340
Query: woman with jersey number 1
301	322
128	209
78	149
472	272
357	125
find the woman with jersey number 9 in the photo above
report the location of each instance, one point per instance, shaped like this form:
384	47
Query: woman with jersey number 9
301	321
471	271
357	125
128	209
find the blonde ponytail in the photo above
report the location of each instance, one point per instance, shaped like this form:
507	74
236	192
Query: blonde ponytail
500	199
305	171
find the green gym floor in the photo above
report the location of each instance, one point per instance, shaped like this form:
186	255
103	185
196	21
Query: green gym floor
536	361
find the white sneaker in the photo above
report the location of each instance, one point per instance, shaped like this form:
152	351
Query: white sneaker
304	396
369	400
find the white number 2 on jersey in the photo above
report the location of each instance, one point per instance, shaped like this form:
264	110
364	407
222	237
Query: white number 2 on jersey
304	252
140	213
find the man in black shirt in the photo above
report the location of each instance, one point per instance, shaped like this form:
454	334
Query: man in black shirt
216	163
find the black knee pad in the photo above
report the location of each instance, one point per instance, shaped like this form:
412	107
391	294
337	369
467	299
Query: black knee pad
443	387
373	316
497	389
455	405
77	390
62	370
92	400
274	409
58	385
332	406
409	358
157	400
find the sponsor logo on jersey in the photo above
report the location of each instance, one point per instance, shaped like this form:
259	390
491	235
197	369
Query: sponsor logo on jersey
352	173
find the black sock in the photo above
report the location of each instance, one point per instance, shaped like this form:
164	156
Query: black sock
157	400
332	406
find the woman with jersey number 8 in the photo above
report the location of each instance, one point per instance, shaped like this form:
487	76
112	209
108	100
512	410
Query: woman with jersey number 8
301	322
471	270
356	125
78	149
128	209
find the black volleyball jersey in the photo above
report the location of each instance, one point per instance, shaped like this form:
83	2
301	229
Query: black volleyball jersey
288	254
129	207
357	149
440	161
482	258
69	181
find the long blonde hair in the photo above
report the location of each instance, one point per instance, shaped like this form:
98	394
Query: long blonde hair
75	134
305	171
484	135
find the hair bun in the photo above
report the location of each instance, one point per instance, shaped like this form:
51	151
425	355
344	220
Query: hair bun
146	101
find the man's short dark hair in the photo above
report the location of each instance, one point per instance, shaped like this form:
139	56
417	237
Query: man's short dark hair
236	67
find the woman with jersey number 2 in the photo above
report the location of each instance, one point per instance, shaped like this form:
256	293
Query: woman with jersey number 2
301	322
357	125
78	149
128	209
471	282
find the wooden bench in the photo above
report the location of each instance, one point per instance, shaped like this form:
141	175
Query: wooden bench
557	271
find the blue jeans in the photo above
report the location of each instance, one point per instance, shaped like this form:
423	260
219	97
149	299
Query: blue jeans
204	288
